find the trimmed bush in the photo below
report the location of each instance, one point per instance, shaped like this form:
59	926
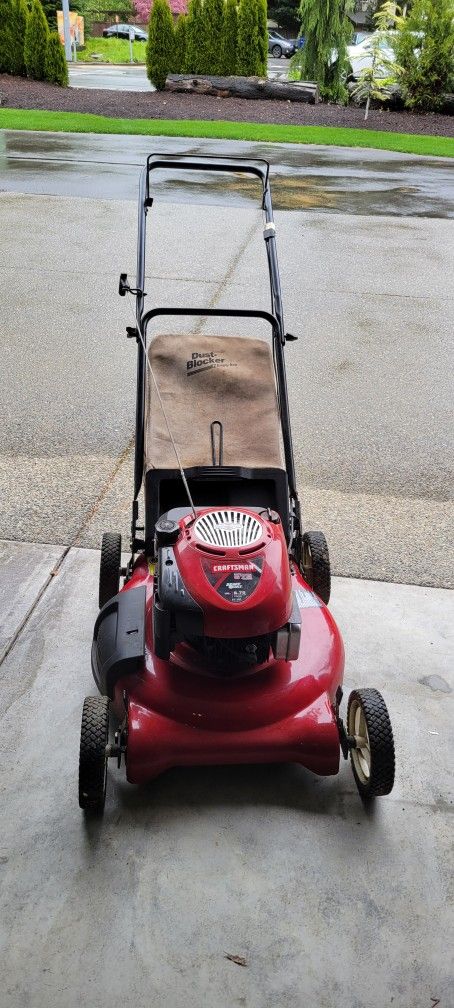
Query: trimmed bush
36	38
213	16
160	53
6	13
19	15
262	39
179	62
195	32
229	39
55	67
425	48
247	52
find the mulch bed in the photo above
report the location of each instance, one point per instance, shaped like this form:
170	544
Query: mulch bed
17	92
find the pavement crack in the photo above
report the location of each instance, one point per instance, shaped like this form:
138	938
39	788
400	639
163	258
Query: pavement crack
41	593
65	550
197	331
103	492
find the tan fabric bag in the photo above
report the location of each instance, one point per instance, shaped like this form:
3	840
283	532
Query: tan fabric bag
206	378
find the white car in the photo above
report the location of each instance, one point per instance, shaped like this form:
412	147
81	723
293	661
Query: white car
360	56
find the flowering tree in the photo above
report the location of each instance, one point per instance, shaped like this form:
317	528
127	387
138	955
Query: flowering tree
143	7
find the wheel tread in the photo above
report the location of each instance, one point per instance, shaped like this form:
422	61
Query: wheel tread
109	568
381	742
92	758
321	572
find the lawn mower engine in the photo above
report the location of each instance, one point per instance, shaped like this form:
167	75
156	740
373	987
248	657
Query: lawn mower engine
223	586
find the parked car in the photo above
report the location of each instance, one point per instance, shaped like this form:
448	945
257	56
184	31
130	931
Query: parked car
360	56
122	31
279	46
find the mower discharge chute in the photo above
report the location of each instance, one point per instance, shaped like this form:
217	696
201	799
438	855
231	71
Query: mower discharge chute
219	647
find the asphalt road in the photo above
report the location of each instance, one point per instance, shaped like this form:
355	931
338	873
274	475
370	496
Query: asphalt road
134	78
371	300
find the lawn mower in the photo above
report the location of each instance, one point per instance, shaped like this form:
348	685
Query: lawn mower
219	647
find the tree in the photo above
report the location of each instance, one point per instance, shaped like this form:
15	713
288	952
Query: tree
213	13
425	51
55	67
35	46
262	39
324	57
229	39
377	80
50	8
19	14
161	44
247	62
179	63
286	13
143	7
102	10
5	35
195	33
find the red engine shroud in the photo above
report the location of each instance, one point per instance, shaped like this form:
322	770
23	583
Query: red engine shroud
243	592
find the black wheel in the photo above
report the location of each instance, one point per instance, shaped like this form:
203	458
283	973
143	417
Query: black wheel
109	570
94	736
315	564
373	758
276	52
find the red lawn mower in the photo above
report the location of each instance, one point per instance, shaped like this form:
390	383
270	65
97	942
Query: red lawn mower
219	647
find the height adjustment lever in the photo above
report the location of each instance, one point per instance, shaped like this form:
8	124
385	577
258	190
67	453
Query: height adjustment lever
124	288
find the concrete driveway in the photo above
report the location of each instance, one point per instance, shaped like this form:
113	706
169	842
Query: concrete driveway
335	180
327	902
370	299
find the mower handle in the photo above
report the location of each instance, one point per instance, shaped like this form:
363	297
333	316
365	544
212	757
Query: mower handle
260	168
217	312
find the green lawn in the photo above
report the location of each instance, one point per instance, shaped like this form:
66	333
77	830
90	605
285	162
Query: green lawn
111	51
80	122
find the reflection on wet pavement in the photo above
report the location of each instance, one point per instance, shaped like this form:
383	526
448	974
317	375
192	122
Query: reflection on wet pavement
333	179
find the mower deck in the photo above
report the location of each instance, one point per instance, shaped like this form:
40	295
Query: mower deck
181	712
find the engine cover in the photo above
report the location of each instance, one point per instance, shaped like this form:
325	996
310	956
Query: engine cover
235	564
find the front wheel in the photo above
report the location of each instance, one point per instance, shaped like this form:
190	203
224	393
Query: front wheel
373	760
94	736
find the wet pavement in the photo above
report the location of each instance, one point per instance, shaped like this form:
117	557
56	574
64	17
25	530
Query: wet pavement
112	78
330	179
134	78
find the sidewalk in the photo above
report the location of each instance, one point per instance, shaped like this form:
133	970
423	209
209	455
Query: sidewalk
329	903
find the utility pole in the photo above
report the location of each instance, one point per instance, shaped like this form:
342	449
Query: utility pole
66	31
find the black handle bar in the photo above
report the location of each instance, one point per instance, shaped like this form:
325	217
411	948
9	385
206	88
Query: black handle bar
218	312
211	163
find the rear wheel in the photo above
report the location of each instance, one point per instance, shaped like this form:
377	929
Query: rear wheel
276	52
94	736
373	761
315	564
109	570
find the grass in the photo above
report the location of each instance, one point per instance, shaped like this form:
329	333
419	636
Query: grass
111	51
81	122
